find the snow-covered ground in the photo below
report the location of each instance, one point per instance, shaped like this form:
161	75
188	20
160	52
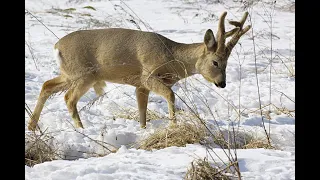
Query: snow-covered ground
111	120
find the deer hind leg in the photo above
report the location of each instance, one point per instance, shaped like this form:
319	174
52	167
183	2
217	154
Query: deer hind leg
78	89
98	87
155	85
48	88
142	98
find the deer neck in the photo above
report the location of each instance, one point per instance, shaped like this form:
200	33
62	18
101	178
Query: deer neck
189	54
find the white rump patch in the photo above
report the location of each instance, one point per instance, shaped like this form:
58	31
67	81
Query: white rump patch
56	55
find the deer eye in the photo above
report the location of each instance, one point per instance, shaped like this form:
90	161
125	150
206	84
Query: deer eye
215	63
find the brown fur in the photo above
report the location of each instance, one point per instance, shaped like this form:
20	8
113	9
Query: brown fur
146	60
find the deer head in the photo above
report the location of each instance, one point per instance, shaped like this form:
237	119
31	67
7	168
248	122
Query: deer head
213	62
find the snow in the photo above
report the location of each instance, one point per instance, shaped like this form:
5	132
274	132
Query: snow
168	163
111	119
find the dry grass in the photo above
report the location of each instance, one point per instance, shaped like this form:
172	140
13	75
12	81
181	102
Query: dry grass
175	135
242	140
90	7
257	143
202	170
284	110
191	132
274	109
134	114
38	149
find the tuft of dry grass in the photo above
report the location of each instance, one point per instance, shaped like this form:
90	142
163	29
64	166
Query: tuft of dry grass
221	139
174	135
257	143
242	140
134	114
90	7
67	16
69	10
202	170
38	149
284	110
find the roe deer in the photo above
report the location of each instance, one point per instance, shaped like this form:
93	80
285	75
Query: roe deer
146	60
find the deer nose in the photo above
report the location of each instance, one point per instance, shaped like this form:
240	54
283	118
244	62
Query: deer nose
222	84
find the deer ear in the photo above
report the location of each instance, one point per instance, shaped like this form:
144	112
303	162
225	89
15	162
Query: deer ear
210	41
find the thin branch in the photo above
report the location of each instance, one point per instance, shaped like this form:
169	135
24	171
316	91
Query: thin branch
257	81
33	57
41	23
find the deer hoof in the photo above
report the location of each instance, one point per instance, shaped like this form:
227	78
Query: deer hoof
173	123
31	127
79	125
143	126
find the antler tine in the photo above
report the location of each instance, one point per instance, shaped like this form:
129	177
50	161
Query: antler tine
221	34
241	22
236	36
244	18
238	24
231	32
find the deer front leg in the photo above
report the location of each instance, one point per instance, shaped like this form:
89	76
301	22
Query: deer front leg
158	87
142	98
49	87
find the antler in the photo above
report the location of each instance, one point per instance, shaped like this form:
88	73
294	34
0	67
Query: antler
236	35
238	24
231	32
221	39
241	22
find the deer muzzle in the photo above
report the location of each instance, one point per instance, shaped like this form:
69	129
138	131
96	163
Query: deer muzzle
221	84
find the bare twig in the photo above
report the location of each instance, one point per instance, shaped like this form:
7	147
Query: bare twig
41	23
33	57
257	81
